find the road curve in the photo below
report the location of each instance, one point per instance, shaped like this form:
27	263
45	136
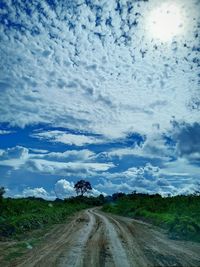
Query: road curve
94	238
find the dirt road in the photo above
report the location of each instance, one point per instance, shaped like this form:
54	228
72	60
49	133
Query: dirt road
95	239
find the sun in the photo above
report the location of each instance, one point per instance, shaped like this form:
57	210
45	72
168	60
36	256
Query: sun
165	22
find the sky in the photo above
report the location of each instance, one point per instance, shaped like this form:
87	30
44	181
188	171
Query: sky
106	91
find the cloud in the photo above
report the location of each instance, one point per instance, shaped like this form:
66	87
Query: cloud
188	141
2	132
62	163
181	167
34	192
148	171
145	151
87	74
115	187
14	157
64	188
154	147
95	193
152	179
69	155
62	168
39	151
18	152
67	138
135	178
101	73
141	186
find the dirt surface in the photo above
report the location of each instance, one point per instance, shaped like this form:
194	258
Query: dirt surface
94	238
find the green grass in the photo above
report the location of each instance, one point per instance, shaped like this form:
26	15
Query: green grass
19	216
180	215
24	222
13	255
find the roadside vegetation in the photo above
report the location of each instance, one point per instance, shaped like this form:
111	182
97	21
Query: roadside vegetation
179	215
19	216
24	222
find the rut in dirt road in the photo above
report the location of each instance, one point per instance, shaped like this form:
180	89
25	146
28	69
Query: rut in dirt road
114	252
94	238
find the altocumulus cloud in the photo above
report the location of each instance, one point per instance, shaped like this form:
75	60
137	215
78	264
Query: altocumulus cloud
72	55
81	82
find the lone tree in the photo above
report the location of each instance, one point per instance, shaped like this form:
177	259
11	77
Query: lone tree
82	187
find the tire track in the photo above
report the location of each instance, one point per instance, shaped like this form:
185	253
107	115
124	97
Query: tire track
97	248
148	247
75	255
117	250
97	239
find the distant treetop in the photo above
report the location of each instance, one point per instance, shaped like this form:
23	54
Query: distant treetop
82	187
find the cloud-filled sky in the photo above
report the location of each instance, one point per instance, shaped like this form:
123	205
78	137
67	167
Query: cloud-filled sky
106	91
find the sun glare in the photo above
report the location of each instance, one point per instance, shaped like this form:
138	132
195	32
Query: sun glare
165	22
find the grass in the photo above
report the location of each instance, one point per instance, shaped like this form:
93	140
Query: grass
24	222
19	216
180	215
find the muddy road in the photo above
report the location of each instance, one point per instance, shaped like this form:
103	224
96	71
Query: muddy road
94	238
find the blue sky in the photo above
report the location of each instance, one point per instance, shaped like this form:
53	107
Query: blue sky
96	90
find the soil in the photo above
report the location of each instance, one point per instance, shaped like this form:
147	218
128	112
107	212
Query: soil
94	238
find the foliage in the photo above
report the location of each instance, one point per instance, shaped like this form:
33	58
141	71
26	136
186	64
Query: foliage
21	215
116	196
82	187
178	214
90	201
18	216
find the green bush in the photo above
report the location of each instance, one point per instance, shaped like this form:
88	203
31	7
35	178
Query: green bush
21	215
178	214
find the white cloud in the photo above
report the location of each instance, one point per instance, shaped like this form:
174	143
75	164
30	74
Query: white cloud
90	68
34	192
115	187
160	186
14	157
154	147
152	179
190	189
15	152
64	189
5	132
101	73
181	167
94	192
62	168
39	151
66	138
69	155
62	163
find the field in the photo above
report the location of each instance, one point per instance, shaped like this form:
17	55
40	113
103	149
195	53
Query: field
179	215
75	231
18	216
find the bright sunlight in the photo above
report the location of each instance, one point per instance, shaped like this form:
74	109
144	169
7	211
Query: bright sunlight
165	22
